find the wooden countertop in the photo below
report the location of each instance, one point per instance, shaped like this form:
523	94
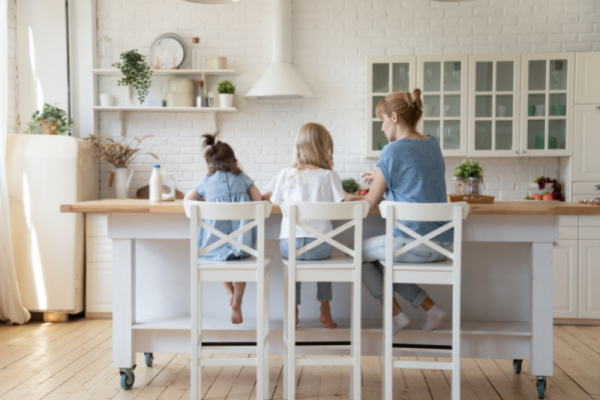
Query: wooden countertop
176	207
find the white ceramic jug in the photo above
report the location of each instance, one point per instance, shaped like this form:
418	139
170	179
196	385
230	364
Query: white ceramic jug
122	180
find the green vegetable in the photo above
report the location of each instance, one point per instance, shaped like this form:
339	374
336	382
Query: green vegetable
349	185
468	169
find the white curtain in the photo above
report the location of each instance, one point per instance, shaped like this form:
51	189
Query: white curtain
11	306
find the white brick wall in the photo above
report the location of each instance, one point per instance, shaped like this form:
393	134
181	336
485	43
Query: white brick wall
13	88
330	42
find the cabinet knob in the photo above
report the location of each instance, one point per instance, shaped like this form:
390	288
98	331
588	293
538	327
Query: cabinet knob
524	151
596	187
517	152
598	109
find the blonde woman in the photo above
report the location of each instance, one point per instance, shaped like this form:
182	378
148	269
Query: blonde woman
410	169
310	178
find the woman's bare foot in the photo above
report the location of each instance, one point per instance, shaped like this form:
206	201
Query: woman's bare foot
236	312
325	318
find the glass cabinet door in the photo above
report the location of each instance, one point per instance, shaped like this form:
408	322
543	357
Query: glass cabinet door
494	89
385	75
547	104
443	83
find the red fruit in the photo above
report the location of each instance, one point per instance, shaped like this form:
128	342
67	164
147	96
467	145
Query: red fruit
548	196
364	191
358	192
536	196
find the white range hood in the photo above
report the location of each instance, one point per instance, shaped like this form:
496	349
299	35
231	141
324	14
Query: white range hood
280	81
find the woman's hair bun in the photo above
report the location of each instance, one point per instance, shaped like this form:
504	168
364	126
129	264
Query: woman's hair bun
417	102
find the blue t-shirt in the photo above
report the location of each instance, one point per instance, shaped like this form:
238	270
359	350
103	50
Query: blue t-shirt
225	187
414	172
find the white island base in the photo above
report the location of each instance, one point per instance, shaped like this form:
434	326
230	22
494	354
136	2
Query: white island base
506	298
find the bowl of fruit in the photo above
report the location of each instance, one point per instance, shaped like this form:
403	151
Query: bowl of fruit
551	190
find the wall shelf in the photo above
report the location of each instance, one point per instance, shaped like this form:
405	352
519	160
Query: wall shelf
170	72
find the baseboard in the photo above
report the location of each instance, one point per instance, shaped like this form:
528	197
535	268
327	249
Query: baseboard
576	321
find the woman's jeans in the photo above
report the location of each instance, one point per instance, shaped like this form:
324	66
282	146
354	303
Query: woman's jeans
372	273
321	252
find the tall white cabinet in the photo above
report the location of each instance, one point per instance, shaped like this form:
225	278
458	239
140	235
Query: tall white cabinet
577	253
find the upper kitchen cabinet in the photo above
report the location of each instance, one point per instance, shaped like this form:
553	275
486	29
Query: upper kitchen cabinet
444	85
587	82
494	98
385	75
547	104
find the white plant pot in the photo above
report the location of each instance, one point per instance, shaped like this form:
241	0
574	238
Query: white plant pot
226	100
122	181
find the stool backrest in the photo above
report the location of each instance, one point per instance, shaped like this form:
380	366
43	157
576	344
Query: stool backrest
255	212
454	213
354	211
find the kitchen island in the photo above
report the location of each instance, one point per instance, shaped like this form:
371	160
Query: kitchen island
506	298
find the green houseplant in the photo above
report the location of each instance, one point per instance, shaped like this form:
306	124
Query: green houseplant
136	73
226	90
470	171
52	120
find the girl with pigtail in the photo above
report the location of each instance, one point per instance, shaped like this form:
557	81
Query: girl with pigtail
225	182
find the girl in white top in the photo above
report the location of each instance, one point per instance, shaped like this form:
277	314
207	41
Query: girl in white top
309	179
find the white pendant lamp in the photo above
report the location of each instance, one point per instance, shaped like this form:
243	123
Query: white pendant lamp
212	1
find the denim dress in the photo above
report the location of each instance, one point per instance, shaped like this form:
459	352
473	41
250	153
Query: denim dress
225	187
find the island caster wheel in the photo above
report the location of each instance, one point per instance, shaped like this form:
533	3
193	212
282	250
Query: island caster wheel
127	379
517	364
149	359
541	386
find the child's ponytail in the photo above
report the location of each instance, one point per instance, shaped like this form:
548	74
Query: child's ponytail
219	155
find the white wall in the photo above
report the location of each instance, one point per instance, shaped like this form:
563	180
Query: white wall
42	56
330	42
13	93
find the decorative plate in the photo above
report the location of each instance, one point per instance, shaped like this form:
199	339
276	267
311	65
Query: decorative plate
167	52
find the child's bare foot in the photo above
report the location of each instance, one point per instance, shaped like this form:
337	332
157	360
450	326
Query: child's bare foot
236	312
325	318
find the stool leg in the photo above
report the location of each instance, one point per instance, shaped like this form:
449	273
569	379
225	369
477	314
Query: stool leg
285	331
456	341
356	341
291	325
267	336
196	344
260	337
387	334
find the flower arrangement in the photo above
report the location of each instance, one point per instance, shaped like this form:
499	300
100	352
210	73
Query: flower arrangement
117	153
468	169
52	120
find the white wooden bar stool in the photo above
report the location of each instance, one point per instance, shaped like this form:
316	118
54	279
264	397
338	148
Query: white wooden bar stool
254	269
334	269
438	273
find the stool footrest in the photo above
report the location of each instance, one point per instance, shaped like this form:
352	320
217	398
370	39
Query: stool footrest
325	361
422	364
210	362
228	344
421	346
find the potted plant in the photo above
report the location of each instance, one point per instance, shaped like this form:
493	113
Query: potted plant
468	176
136	74
52	120
226	90
120	154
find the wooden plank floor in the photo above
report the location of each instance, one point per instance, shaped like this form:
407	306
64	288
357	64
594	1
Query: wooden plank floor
73	361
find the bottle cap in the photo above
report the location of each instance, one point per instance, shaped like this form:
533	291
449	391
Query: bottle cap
156	166
200	83
195	40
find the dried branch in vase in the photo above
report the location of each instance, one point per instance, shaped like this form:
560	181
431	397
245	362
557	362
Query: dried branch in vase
115	152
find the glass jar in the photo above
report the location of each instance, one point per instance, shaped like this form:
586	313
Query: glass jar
105	55
196	53
474	186
459	185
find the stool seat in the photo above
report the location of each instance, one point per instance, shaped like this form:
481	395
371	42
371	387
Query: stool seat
254	269
447	272
344	268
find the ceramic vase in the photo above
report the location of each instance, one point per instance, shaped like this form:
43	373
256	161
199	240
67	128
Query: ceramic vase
122	180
